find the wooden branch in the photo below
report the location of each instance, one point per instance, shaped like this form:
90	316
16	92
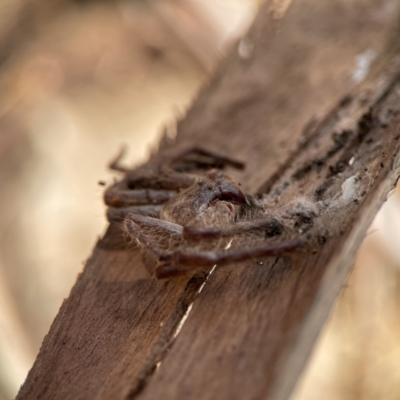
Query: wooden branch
252	327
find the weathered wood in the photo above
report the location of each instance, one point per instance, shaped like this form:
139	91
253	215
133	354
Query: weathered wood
252	326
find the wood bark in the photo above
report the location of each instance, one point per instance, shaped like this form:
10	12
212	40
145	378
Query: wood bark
287	104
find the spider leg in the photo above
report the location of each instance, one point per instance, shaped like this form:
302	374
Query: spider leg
148	222
164	179
199	158
115	163
179	263
271	225
144	194
116	197
144	200
119	214
135	232
133	224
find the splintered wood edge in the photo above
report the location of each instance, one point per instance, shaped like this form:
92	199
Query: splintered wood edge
332	284
380	89
338	270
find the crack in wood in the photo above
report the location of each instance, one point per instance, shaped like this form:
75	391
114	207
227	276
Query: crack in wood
309	136
170	332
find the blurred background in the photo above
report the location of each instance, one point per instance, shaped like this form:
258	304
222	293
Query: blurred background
79	79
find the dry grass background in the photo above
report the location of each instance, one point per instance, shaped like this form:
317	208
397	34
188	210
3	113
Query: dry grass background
100	74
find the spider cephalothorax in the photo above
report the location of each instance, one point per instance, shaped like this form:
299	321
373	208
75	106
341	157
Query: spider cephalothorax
213	191
185	221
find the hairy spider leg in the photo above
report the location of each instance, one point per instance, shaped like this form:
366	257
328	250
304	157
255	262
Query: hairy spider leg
118	214
207	159
144	201
160	179
166	227
115	163
153	191
216	159
135	232
116	197
271	225
133	223
142	194
179	263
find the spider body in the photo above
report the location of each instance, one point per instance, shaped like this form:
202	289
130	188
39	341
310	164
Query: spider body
185	220
194	203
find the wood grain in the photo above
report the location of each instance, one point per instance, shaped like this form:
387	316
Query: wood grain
252	327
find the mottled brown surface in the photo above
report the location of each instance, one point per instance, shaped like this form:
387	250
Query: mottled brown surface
252	327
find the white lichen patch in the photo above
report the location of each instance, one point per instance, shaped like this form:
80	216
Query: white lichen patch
350	188
352	191
363	64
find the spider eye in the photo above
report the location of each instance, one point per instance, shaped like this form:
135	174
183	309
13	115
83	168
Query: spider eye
210	187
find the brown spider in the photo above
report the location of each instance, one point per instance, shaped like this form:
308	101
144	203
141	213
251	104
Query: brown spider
186	221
